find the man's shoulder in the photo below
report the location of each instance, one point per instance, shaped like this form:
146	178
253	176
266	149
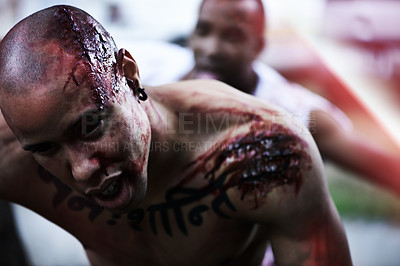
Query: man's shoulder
217	103
17	167
208	96
194	86
259	162
247	133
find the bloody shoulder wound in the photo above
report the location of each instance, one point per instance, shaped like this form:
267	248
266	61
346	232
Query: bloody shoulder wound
257	161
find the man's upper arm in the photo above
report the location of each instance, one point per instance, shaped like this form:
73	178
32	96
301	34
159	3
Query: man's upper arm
307	229
290	198
16	165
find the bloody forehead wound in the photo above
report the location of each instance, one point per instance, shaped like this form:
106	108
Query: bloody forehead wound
26	53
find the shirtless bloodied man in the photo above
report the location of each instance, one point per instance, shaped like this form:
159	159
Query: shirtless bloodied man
191	173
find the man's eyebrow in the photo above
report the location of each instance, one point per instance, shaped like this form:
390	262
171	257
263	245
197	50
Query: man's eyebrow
94	111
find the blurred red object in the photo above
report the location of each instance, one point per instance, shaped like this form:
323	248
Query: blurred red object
364	20
373	25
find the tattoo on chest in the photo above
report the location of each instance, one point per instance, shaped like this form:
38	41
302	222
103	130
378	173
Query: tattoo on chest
74	203
253	163
178	197
175	199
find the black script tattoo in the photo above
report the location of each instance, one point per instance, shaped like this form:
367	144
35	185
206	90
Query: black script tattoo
175	199
115	217
75	203
136	217
62	190
78	203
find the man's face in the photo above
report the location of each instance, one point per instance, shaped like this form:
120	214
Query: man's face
99	152
225	40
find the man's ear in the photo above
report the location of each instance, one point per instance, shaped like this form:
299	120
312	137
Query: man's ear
127	66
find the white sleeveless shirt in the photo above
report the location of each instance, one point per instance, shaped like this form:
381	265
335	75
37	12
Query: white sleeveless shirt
295	99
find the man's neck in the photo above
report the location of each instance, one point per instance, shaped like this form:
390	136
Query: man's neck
245	81
162	121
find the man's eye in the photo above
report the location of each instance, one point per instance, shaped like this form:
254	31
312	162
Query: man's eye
91	128
201	32
44	148
202	29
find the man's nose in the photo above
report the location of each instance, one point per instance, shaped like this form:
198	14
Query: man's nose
212	47
83	164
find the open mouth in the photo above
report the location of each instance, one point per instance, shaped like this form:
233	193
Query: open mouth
112	190
115	196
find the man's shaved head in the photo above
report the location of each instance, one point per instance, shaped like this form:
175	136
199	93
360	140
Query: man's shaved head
68	95
47	39
258	12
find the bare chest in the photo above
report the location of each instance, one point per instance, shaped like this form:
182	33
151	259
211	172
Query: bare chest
184	226
185	230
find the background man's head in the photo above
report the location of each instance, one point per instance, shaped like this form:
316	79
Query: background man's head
228	36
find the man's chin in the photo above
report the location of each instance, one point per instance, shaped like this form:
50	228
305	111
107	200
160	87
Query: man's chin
207	75
122	209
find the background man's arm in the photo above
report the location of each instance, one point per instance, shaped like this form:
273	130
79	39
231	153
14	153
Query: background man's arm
356	153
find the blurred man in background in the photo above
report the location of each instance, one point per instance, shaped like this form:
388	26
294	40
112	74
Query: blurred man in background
226	42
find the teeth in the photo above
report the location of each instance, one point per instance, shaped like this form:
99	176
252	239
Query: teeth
111	190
